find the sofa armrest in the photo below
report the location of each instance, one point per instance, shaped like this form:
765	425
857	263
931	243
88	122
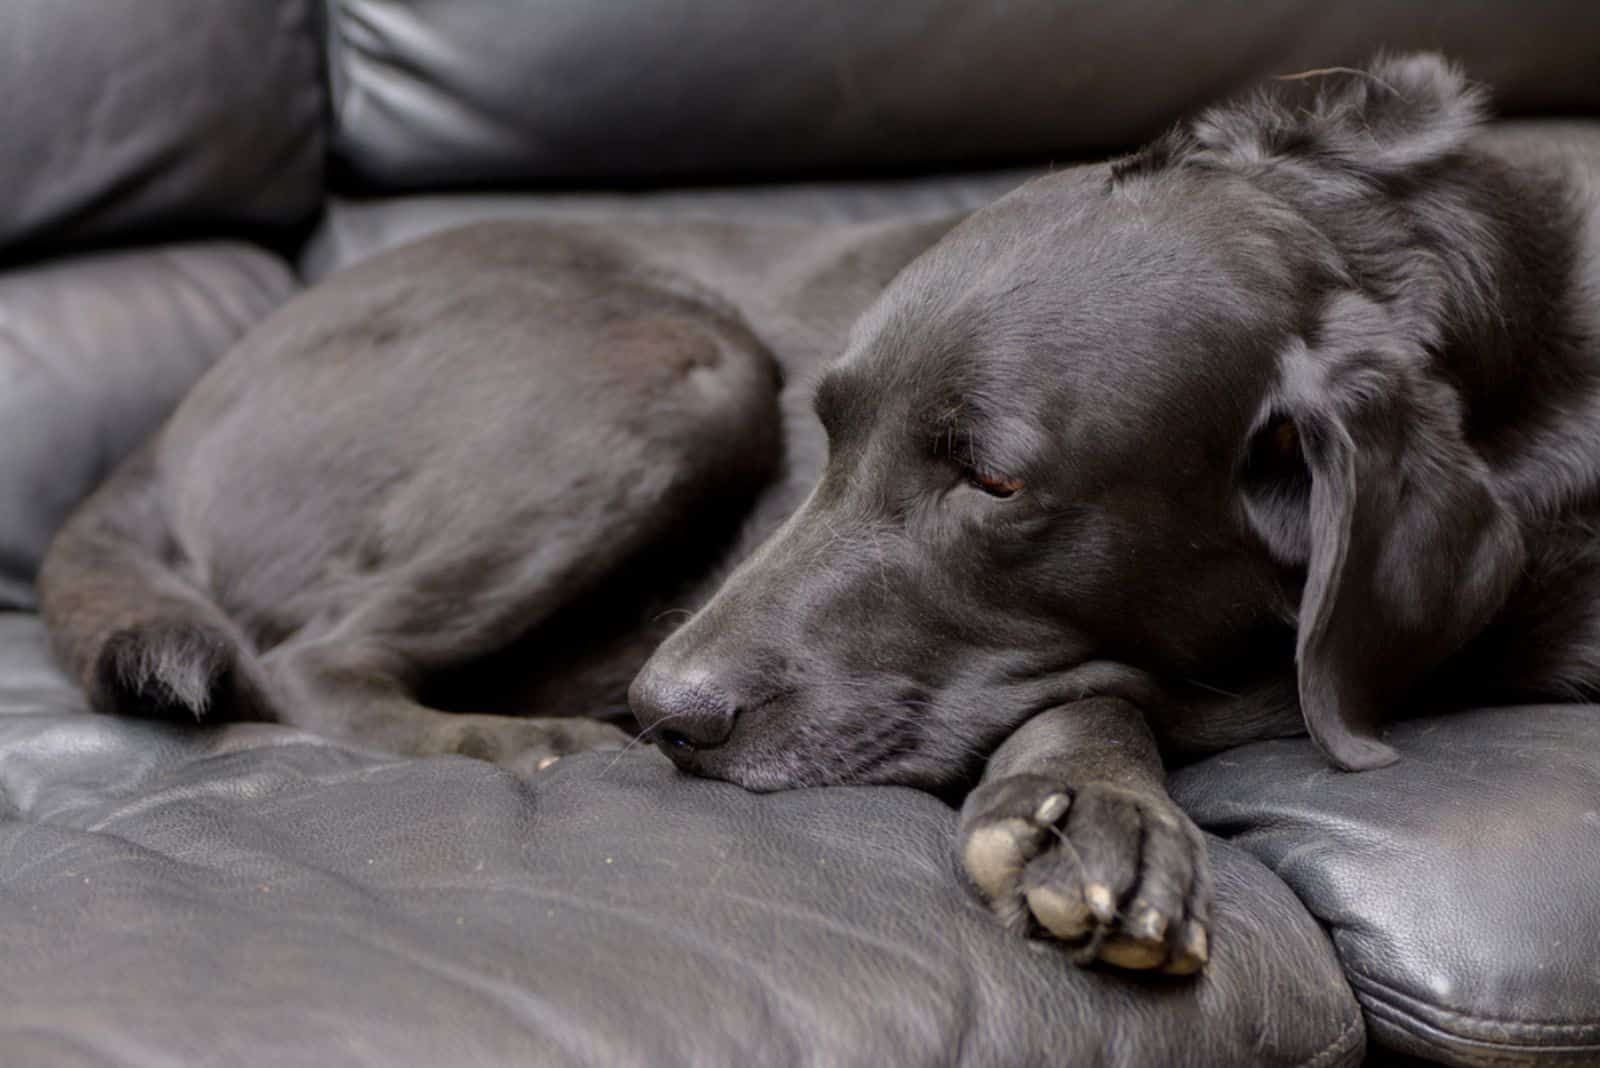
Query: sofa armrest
1461	885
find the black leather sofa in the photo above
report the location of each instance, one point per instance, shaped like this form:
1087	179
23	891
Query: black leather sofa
172	170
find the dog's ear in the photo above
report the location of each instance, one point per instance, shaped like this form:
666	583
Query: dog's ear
1397	114
1358	473
1367	126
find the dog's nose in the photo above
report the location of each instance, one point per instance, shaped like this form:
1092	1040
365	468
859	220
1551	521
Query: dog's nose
682	713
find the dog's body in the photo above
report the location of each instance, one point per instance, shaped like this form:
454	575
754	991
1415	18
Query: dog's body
1290	419
483	473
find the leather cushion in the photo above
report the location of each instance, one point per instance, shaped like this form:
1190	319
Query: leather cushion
122	116
1461	885
94	352
253	895
353	228
431	93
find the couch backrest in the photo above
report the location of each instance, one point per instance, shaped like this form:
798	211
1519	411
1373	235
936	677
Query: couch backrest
431	93
123	118
127	118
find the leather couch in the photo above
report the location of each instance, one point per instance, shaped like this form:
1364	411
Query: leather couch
175	169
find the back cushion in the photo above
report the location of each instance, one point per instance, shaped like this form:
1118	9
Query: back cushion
124	116
432	93
94	353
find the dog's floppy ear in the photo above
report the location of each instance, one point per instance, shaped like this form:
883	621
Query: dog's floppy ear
1341	130
1358	472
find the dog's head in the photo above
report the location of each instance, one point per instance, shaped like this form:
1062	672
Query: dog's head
1123	426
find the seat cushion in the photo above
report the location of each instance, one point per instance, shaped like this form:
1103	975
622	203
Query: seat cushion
1461	885
125	116
353	228
250	894
431	93
94	352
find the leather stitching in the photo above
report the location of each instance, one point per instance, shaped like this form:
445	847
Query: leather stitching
1398	1001
1464	1049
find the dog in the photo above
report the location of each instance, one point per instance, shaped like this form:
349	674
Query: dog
1288	422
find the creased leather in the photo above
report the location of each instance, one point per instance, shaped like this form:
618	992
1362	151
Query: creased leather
434	93
252	895
122	117
1461	885
94	352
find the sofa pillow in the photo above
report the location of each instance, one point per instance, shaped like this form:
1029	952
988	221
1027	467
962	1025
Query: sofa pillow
94	352
124	116
1461	885
431	93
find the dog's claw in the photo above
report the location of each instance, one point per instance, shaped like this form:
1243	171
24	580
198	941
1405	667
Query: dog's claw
1148	924
1101	903
1193	951
1051	809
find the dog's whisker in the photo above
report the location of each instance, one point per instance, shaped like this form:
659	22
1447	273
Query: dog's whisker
1322	72
635	740
685	612
1219	691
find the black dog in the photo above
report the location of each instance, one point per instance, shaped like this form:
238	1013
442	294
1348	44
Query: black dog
1286	416
1295	413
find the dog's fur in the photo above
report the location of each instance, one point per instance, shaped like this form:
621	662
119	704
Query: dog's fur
471	474
1291	418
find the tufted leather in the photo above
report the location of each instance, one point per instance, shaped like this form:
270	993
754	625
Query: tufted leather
432	93
202	897
1461	885
125	116
94	352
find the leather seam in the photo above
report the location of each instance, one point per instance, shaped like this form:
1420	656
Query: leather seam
1340	1045
1465	1048
1397	1001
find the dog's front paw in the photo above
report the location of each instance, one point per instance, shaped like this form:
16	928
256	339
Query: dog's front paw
1121	875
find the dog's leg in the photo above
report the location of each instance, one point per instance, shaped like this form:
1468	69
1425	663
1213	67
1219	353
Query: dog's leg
1072	826
361	673
137	634
361	691
358	667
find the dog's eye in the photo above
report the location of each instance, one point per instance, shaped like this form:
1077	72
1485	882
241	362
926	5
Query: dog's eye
992	484
1275	469
1275	452
1285	438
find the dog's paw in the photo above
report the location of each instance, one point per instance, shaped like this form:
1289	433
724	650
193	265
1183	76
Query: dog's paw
1119	875
523	744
